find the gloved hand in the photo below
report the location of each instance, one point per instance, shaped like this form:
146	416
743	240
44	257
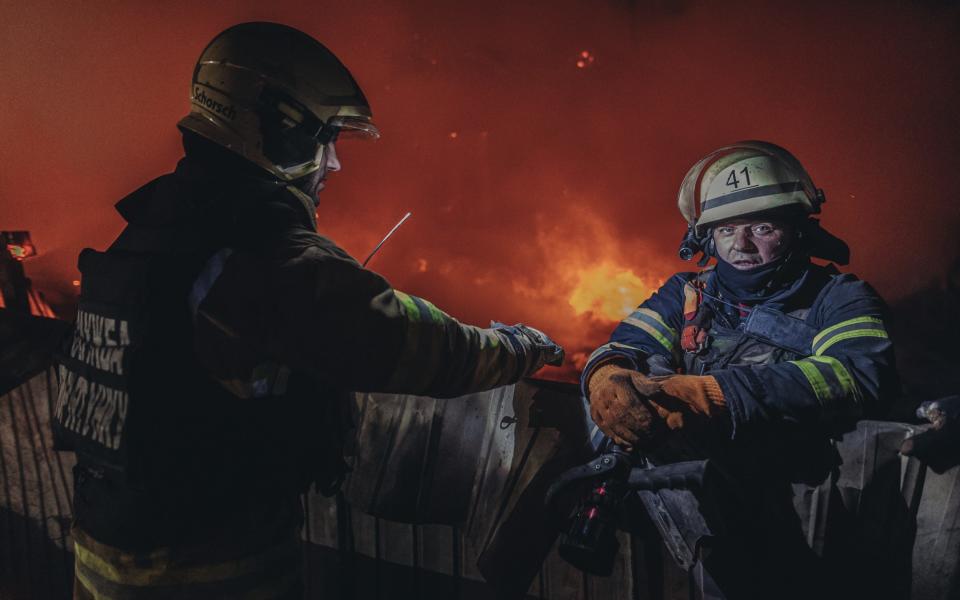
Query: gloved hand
533	342
700	394
939	445
619	404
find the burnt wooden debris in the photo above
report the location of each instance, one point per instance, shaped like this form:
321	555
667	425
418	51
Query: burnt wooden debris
27	345
470	524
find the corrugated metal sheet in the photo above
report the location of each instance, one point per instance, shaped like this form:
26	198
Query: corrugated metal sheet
36	487
478	464
876	491
422	460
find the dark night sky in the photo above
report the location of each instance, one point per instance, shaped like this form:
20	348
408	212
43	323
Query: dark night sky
538	188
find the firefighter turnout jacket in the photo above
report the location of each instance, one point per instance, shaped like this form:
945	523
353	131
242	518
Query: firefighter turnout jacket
206	381
796	369
815	355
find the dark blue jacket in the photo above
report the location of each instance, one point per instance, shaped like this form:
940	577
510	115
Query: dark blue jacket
846	374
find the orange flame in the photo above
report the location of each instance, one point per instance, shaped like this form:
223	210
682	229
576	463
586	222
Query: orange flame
608	292
592	279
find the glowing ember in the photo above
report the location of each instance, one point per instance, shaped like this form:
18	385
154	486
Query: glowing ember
421	265
453	135
608	292
585	59
76	283
18	244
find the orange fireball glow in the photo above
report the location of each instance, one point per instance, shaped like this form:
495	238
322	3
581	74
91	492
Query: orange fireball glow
608	292
541	197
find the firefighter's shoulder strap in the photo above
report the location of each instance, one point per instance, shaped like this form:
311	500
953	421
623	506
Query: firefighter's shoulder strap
768	325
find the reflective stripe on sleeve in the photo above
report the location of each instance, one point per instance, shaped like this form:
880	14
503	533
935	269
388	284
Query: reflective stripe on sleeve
653	325
436	314
418	309
843	376
612	346
849	329
409	306
828	378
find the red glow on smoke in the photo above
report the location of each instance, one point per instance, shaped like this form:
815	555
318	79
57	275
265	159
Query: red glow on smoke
540	197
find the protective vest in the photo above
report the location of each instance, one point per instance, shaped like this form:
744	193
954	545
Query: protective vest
763	336
766	336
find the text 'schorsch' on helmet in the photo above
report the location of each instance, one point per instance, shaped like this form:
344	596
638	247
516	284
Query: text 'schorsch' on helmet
275	96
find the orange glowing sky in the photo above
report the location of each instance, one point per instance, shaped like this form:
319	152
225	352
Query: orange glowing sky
542	180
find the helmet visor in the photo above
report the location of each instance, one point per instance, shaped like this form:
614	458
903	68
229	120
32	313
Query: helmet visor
354	127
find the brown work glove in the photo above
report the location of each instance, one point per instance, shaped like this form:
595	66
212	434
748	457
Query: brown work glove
618	403
700	394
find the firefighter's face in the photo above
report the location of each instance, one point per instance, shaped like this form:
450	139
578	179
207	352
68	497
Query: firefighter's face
315	182
749	243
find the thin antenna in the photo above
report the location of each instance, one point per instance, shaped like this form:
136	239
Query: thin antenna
387	237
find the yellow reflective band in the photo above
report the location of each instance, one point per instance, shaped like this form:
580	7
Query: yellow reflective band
435	313
846	335
650	329
270	589
820	387
610	346
409	306
88	585
822	334
489	340
843	376
127	572
656	317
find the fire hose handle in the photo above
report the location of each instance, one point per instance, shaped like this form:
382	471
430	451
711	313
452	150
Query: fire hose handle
689	475
608	465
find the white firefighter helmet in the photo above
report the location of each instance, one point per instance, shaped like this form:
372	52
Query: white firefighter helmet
742	179
275	96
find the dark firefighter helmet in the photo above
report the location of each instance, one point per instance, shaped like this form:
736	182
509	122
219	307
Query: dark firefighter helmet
275	96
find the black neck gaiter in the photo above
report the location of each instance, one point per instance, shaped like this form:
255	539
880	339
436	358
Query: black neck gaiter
752	286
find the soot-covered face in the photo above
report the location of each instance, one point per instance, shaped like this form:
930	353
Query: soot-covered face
749	243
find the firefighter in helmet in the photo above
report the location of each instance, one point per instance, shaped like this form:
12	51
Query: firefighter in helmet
206	380
754	362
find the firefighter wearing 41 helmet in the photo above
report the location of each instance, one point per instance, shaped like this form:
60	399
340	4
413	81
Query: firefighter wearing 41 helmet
755	362
218	337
